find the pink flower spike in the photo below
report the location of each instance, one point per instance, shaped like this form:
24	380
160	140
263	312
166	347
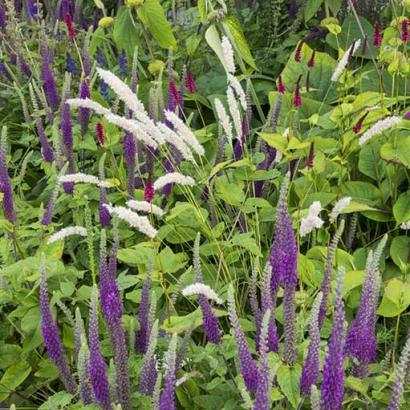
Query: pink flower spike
297	99
405	30
68	20
190	83
100	133
377	35
311	62
281	86
149	192
298	52
358	127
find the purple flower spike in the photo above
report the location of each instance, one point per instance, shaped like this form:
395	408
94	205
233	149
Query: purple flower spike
269	303
333	371
148	374
123	62
48	214
25	69
253	299
130	150
142	335
167	399
247	363
310	371
105	217
283	260
47	77
71	65
46	150
325	288
112	310
96	364
210	321
84	113
5	183
51	337
3	18
361	342
211	324
262	401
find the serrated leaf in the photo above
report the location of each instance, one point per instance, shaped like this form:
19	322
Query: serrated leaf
232	24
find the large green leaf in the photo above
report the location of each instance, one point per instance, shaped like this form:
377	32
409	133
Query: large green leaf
125	33
370	163
401	209
400	250
288	380
350	32
311	8
361	191
322	89
232	24
13	377
396	298
179	324
153	15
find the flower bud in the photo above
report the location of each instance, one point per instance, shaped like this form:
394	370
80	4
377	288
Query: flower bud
105	22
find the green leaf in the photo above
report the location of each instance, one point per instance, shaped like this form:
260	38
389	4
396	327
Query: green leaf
245	240
59	400
362	192
99	4
288	380
370	163
158	25
139	254
350	32
179	324
229	192
400	250
401	209
396	298
125	33
322	90
311	8
233	26
13	377
277	141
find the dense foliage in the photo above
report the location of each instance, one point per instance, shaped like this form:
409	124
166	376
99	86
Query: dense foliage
206	204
